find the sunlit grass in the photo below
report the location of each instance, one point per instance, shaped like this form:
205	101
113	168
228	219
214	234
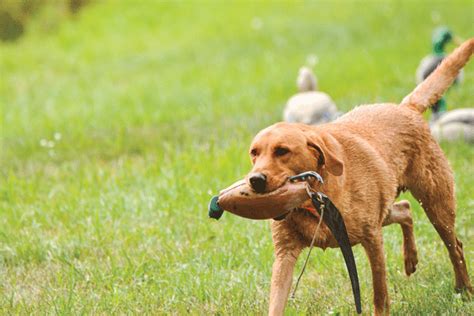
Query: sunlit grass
155	105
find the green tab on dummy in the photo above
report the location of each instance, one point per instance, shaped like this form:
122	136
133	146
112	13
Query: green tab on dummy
215	211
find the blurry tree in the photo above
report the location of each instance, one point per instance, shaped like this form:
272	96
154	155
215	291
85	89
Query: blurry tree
15	14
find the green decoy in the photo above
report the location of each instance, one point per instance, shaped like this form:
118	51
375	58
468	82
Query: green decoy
440	38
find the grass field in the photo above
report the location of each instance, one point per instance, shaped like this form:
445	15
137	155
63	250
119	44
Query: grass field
118	126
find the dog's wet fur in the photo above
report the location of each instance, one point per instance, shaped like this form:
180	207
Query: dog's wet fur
366	157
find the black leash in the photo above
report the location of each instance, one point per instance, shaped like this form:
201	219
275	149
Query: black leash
333	219
335	222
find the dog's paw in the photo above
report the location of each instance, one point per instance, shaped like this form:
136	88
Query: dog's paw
411	260
466	292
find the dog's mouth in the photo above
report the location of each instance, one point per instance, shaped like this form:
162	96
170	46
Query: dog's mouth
308	176
281	217
305	176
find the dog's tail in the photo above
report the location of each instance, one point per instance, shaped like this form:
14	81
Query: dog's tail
432	88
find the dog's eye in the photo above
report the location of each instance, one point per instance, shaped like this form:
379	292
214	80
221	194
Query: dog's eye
253	152
281	151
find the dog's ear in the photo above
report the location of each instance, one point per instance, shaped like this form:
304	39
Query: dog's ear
328	149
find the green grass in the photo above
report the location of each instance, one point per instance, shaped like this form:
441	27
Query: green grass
156	105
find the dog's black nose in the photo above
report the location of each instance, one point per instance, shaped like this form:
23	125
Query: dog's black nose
258	181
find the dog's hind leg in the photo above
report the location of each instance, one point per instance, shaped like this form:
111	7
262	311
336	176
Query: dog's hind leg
373	246
433	186
400	213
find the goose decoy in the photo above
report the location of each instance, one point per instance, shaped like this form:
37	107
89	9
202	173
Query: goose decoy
441	37
455	125
309	106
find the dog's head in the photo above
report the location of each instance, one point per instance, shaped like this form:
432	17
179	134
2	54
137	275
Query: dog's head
284	149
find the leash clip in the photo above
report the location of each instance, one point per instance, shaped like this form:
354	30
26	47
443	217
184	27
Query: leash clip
318	196
305	176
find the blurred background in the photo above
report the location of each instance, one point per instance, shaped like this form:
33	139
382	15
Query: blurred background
120	119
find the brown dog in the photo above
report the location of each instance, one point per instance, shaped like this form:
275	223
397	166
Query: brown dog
367	157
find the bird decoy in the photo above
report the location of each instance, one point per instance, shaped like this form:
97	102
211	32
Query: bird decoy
455	125
440	38
309	106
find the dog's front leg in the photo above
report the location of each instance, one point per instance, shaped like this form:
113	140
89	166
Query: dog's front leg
287	250
282	276
373	246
